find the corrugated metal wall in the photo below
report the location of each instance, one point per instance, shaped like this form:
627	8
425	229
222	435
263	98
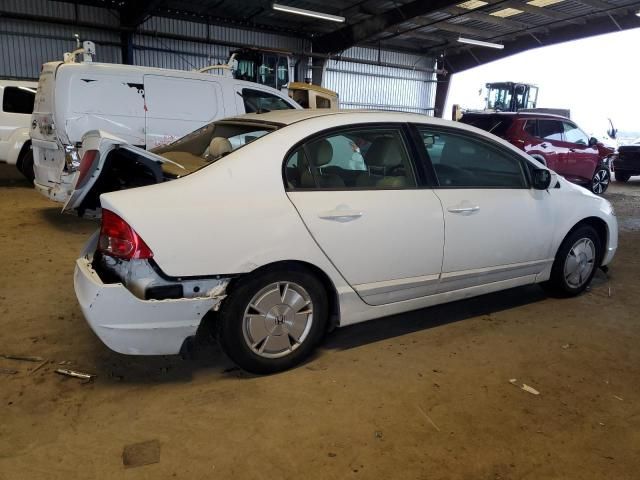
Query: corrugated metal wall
26	44
371	86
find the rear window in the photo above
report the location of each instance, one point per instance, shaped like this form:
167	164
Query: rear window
498	125
257	101
18	100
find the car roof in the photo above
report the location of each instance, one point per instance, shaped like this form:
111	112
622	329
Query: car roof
290	116
518	115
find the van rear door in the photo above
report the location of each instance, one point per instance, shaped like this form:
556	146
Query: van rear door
176	106
42	123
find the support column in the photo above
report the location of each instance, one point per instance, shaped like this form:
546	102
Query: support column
317	70
442	92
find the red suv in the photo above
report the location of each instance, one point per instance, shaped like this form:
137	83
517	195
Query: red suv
553	140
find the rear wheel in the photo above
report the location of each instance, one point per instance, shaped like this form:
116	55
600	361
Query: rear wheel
272	321
576	262
600	180
26	165
622	176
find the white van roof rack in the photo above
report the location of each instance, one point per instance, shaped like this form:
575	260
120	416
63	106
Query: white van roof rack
88	50
227	68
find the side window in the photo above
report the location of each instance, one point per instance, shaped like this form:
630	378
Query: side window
530	128
18	100
574	135
550	130
464	161
259	101
367	159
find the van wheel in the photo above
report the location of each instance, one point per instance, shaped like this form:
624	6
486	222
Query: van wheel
273	321
575	263
25	165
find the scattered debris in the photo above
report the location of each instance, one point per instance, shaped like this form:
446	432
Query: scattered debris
609	291
42	364
64	362
378	434
567	345
618	398
524	386
331	454
8	371
139	454
428	418
25	358
75	374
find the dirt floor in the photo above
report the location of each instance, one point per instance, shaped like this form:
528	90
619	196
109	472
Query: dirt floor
424	395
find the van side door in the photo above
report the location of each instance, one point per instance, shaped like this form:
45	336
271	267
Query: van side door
176	106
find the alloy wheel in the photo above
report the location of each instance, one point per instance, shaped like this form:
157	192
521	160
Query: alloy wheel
580	262
278	319
600	181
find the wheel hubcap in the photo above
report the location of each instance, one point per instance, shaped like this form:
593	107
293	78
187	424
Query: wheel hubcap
579	263
600	181
278	319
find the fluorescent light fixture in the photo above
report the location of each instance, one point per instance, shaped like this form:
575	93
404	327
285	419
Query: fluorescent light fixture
543	3
506	12
638	13
472	4
307	13
27	89
480	43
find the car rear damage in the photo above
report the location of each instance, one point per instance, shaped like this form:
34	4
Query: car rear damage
130	304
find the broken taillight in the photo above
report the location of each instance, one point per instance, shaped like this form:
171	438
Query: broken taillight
118	239
88	164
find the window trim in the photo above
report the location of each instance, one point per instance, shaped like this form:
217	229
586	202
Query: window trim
400	127
524	165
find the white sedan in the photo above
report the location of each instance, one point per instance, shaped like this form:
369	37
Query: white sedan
308	220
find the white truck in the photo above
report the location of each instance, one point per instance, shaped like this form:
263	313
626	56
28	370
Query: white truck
142	106
16	105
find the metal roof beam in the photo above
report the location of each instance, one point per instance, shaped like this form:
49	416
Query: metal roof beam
457	28
351	35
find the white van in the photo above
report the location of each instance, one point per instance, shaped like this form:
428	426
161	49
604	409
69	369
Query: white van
146	107
16	105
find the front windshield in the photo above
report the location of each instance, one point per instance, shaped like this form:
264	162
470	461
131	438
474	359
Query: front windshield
209	144
499	98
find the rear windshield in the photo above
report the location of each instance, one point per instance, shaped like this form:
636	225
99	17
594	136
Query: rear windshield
236	133
498	125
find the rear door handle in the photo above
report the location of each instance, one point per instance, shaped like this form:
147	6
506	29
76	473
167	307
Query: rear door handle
467	210
340	215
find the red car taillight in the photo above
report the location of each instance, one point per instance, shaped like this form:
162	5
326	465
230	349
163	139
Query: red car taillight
87	165
118	239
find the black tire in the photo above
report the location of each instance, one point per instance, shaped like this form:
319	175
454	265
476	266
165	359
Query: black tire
234	331
600	181
25	165
561	285
622	176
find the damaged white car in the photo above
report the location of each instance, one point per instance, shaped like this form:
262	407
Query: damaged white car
325	219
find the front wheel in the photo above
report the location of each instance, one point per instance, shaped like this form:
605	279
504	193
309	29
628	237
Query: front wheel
600	181
272	321
576	262
622	176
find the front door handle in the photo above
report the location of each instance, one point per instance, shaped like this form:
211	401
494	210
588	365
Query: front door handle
464	210
339	215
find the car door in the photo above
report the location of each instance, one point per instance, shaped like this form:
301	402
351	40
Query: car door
496	227
582	159
546	140
357	191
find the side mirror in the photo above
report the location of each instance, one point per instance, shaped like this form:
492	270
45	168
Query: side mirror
593	141
541	178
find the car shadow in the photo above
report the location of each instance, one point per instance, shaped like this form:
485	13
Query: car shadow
431	317
68	222
10	177
205	354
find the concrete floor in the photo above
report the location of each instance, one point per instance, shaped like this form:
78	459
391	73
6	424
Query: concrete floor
419	395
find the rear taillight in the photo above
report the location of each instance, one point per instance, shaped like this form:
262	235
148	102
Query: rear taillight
87	165
118	239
